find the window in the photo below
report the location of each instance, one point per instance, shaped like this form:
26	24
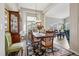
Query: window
30	18
31	21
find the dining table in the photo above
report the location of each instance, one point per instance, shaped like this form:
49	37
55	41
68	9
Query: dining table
40	36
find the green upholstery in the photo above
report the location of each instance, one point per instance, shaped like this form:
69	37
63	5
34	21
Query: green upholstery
6	46
8	37
14	47
9	47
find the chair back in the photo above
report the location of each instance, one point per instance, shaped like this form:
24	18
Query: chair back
49	38
49	41
8	39
50	33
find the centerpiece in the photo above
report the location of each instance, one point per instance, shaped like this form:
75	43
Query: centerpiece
39	26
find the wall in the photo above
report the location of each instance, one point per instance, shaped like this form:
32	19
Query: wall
12	6
28	12
53	22
22	23
2	36
74	27
67	23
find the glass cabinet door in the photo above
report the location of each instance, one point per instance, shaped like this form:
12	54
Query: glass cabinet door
14	26
14	22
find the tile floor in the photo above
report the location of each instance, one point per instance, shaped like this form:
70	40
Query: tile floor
62	42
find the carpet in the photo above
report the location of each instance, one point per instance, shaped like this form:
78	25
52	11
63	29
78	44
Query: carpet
58	51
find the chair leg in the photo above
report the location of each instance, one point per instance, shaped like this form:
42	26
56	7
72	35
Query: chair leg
27	50
22	52
52	51
45	52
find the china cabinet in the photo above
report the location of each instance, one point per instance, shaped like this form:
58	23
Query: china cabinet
14	26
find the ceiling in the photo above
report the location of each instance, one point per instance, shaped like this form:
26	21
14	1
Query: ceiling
59	11
34	6
55	10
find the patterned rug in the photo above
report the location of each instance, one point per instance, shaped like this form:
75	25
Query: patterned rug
58	51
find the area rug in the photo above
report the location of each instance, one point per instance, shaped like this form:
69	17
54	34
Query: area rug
58	51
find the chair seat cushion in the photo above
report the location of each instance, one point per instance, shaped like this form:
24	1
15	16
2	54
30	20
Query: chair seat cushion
15	47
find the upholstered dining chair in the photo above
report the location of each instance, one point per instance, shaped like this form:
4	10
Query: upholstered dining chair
34	40
47	41
11	48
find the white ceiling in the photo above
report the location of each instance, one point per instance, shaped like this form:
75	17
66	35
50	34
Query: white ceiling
34	6
60	10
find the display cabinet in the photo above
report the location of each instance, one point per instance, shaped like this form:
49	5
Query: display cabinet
14	26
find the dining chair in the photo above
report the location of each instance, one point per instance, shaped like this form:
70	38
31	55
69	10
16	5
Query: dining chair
33	39
35	43
47	41
11	48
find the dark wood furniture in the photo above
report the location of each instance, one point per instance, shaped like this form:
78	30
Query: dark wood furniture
14	26
33	39
46	40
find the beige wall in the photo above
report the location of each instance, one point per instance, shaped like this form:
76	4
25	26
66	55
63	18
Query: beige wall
53	22
2	36
74	27
12	6
27	12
